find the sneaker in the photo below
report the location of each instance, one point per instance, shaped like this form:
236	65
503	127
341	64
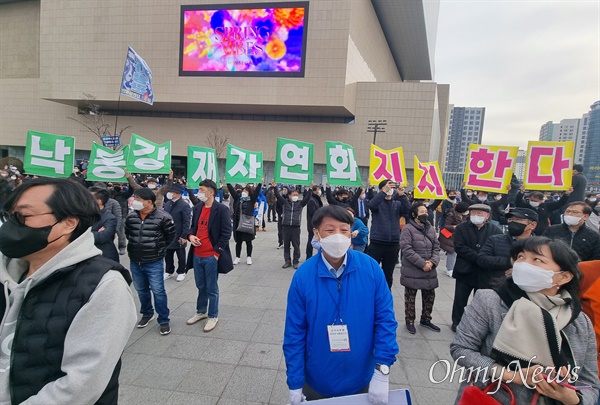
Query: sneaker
248	260
410	327
236	260
264	229
449	273
286	265
210	324
181	277
165	329
295	265
429	325
197	318
268	220
145	321
168	275
122	251
280	246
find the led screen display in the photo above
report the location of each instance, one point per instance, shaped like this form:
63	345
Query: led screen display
267	39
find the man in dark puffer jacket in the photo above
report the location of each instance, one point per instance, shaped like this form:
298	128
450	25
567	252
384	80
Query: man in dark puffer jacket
149	232
494	258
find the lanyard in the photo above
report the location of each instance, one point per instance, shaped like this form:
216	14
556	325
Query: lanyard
337	302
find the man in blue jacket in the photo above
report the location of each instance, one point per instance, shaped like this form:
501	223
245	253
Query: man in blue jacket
340	328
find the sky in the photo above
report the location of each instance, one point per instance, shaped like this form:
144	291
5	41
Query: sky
526	62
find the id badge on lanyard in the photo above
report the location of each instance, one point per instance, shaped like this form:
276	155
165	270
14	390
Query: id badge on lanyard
339	340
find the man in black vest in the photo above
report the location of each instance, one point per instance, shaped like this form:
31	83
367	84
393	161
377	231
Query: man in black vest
181	213
70	311
312	206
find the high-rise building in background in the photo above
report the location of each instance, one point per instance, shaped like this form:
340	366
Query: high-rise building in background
465	127
520	165
570	129
592	148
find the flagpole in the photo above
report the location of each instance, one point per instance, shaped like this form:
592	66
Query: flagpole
117	114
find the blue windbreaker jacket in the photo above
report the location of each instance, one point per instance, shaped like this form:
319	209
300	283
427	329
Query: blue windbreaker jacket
365	306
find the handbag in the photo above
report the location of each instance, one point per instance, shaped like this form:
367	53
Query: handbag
246	224
473	395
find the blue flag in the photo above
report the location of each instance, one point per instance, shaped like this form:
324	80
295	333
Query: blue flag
137	78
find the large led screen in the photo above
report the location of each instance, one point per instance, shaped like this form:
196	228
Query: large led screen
266	39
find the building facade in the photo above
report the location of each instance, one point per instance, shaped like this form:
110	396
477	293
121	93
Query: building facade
364	60
520	165
465	127
570	129
591	168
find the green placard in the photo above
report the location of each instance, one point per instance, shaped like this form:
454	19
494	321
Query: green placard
243	166
49	155
148	157
107	164
294	162
201	164
342	168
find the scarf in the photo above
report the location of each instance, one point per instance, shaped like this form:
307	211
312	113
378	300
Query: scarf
533	327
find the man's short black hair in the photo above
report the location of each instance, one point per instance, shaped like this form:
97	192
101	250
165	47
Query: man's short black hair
414	209
587	210
461	207
538	195
69	199
145	194
383	183
579	168
316	188
101	194
332	211
209	183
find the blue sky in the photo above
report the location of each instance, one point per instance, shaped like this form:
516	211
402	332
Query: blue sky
527	62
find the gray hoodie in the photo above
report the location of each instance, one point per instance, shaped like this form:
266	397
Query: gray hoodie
95	339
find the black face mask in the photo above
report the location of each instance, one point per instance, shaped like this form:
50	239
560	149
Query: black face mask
423	218
344	200
18	240
516	229
452	197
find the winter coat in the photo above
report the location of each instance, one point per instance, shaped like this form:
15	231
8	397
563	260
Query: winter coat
245	206
468	241
160	193
452	220
105	240
313	204
292	211
363	233
543	210
585	241
149	238
418	244
494	259
271	199
344	204
385	222
181	212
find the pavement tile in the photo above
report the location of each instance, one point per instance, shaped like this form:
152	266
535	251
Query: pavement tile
224	351
269	334
187	347
136	364
206	378
186	398
251	383
152	343
165	373
132	395
262	355
281	393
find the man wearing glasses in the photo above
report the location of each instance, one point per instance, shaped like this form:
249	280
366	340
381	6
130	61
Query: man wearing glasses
575	233
67	312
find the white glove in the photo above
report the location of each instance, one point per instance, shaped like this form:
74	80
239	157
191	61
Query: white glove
379	388
296	396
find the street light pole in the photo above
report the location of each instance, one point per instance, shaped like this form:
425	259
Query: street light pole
376	126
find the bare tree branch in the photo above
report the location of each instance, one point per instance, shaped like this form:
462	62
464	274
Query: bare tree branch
216	140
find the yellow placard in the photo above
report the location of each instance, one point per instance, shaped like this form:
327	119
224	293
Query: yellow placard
490	168
549	165
387	164
428	180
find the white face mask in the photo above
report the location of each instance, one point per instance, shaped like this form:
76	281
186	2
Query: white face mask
498	197
202	197
571	220
532	278
534	204
244	195
390	192
465	213
137	205
294	198
170	195
592	200
335	245
477	220
483	198
362	197
151	186
469	194
319	193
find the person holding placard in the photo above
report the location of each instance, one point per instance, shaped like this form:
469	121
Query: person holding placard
243	209
152	184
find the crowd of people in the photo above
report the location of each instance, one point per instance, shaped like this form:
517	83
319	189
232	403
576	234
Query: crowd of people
517	252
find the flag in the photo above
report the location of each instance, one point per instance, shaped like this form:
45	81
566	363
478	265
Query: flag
137	78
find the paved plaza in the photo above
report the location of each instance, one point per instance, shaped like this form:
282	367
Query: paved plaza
241	361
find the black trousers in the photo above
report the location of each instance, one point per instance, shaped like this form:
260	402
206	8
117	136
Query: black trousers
387	256
272	213
309	247
462	291
291	235
279	232
181	259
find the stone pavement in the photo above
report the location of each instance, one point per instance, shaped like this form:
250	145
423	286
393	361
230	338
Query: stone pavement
241	361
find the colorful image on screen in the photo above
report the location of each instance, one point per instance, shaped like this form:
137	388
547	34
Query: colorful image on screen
267	40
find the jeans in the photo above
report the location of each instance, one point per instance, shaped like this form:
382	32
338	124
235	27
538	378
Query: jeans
450	261
206	275
150	277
